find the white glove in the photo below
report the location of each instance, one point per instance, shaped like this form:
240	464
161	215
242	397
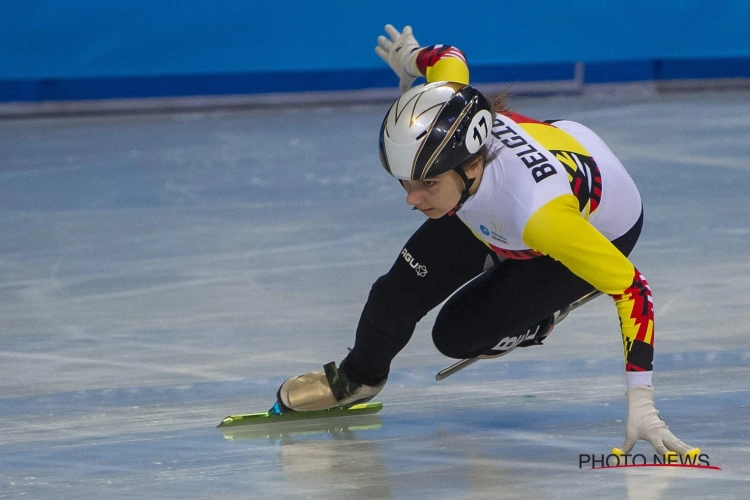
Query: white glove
399	53
644	423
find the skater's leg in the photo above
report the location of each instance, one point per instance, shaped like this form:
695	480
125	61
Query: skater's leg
439	258
513	300
503	304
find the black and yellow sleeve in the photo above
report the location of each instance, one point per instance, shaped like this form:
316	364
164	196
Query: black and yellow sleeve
559	230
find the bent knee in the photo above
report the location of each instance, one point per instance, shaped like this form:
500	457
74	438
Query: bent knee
453	339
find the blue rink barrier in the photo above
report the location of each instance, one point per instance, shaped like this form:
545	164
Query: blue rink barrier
92	88
68	50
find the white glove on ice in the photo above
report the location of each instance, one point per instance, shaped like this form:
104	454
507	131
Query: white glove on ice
399	53
644	423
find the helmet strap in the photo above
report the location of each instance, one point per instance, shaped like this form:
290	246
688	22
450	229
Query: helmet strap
467	186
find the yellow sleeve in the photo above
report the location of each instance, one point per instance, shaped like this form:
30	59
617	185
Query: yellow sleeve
448	70
559	230
442	63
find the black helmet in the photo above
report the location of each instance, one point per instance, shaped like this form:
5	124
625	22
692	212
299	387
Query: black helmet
434	128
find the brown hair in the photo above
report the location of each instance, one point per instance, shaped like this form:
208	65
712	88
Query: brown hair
499	102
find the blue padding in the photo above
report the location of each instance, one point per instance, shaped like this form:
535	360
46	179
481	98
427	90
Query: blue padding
523	72
619	71
191	85
311	81
709	68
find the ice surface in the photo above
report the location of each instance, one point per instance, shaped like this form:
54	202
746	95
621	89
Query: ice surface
159	272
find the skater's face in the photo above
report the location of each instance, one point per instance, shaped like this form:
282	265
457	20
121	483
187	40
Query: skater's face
437	196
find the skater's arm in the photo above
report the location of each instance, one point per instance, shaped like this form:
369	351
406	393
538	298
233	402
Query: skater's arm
409	61
442	63
559	230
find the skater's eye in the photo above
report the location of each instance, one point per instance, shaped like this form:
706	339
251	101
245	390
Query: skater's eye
429	183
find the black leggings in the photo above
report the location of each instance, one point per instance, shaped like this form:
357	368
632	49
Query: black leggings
502	299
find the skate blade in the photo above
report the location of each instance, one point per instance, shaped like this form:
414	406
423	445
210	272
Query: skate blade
346	427
271	417
455	367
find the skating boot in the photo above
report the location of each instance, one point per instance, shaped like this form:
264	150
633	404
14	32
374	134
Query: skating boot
321	390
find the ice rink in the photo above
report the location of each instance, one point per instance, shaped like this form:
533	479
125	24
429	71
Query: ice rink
161	271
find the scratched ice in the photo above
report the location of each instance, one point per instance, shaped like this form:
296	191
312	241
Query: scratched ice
158	272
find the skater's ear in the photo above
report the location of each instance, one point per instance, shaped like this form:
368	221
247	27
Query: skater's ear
472	167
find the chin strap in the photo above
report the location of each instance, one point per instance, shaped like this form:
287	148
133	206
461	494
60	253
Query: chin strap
467	186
